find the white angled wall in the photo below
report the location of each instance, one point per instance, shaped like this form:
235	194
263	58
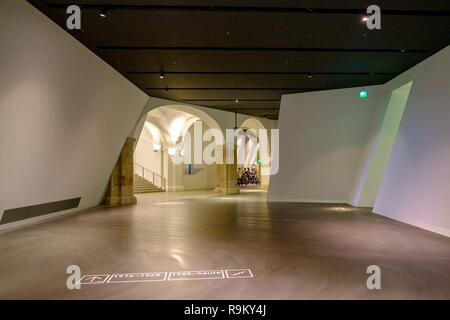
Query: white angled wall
329	139
416	184
65	113
374	162
322	139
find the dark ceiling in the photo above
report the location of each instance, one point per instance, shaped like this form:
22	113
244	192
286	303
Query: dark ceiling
216	52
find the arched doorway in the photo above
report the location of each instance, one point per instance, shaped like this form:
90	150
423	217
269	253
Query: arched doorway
172	131
250	173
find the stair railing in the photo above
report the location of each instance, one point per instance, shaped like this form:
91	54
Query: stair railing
149	175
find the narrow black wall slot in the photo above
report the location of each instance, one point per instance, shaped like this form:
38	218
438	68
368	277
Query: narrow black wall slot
17	214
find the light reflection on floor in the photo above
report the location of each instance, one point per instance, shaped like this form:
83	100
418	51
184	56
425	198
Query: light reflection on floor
294	250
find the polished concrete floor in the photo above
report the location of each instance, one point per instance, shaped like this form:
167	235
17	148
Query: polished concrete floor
294	250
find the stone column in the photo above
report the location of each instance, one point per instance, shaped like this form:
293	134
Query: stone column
226	174
119	191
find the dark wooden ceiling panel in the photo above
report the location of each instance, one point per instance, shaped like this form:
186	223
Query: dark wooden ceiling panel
319	81
214	52
261	60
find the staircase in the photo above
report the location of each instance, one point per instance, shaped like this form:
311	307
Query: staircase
141	185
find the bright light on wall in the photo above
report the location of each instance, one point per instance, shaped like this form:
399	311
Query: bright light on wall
156	147
153	131
175	129
363	94
171	151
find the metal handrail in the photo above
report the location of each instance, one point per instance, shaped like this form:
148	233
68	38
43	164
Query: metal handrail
147	173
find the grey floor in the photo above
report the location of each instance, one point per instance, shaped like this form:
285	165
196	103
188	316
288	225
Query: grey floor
295	251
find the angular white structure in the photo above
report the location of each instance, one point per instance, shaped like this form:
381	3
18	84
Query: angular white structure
390	150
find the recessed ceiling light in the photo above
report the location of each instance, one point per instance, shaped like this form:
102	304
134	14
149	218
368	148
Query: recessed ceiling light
309	75
103	13
365	19
161	75
236	100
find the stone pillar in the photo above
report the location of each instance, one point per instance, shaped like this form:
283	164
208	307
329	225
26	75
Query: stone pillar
120	186
226	174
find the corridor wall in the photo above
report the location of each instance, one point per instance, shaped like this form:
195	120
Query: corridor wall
329	139
322	139
416	184
65	114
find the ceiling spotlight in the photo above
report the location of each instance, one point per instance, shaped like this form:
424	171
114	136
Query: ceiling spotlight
161	75
103	13
236	100
310	76
365	19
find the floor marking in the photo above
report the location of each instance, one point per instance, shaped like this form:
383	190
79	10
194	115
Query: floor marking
93	279
239	273
137	277
165	276
197	275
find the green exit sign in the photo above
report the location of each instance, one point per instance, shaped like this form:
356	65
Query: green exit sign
363	94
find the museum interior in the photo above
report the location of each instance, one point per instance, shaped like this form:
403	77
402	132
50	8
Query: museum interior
267	149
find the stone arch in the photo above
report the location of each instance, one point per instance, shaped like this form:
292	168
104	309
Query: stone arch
252	123
152	113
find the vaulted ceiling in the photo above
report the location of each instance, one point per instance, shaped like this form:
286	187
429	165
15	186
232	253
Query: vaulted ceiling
243	55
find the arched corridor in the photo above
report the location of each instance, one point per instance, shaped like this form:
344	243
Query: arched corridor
169	132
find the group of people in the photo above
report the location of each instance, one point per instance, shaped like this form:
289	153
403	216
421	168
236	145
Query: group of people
248	177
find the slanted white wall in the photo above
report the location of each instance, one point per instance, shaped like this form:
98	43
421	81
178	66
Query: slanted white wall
416	184
374	164
322	139
65	113
322	149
